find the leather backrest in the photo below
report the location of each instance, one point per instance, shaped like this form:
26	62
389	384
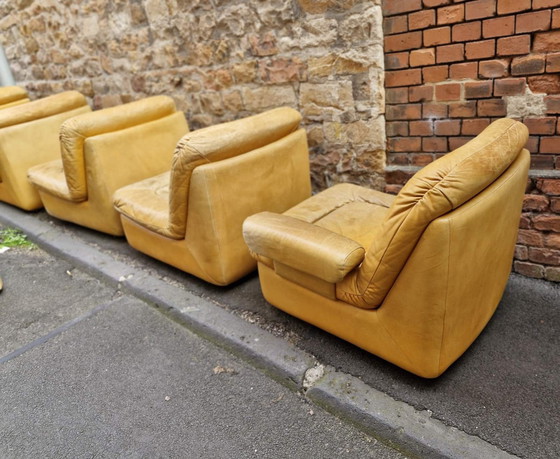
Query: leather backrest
10	94
76	130
433	191
219	142
42	108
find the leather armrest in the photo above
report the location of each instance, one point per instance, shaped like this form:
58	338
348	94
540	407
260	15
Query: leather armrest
301	245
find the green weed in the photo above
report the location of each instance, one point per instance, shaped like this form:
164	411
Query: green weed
10	237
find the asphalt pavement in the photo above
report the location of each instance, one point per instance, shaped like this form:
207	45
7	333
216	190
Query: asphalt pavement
500	399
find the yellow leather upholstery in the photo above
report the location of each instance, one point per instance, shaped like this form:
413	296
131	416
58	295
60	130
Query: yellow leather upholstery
103	151
449	238
191	216
11	96
29	136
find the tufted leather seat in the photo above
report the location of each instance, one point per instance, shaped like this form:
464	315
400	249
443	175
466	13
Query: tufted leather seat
413	278
103	151
11	96
191	216
29	136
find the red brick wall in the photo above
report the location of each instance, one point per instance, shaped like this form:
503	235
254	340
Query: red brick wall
454	66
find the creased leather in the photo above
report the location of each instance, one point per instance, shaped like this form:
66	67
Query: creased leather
74	132
302	246
216	143
12	95
438	188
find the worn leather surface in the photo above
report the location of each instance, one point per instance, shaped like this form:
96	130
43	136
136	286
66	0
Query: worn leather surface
454	273
42	108
12	95
29	136
104	151
438	188
302	246
257	163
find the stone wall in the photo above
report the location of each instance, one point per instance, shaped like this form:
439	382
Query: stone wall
219	60
452	68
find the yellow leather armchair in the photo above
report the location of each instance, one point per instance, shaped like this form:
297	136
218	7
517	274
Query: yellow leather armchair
29	136
11	96
105	150
191	216
413	278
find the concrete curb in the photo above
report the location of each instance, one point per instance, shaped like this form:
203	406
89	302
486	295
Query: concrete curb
396	423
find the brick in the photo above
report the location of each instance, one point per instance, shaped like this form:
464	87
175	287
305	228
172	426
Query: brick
493	69
552	274
546	42
397	128
528	269
464	70
450	14
403	41
420	93
525	221
550	145
403	112
422	57
395	24
545	3
397	176
421	19
553	62
391	7
394	61
433	111
555	207
532	22
435	74
510	86
511	46
513	6
467	32
547	84
433	3
421	159
448	127
547	222
521	252
462	109
400	159
434	144
533	144
448	91
439	36
498	27
530	237
552	240
393	189
549	186
480	9
421	128
491	107
403	77
528	65
480	49
552	104
404	144
544	255
450	53
556	19
474	126
478	89
537	203
458	142
542	162
541	126
396	95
